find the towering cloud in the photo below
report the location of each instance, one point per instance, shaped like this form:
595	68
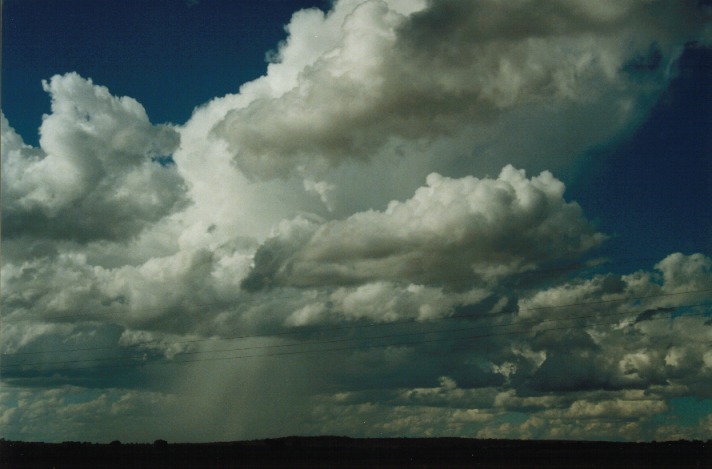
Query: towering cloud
97	172
369	73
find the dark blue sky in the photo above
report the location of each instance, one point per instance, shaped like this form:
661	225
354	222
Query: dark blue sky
170	55
653	191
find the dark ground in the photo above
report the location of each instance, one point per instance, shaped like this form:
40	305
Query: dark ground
341	452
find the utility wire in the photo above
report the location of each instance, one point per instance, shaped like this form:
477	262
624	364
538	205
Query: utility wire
533	323
93	317
420	342
335	349
340	340
299	330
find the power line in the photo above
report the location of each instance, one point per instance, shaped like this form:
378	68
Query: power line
479	336
218	304
533	324
471	316
337	349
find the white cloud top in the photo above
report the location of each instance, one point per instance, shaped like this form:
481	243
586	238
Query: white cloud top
369	73
94	175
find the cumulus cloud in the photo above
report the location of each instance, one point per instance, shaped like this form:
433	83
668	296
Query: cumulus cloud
170	293
677	280
451	232
613	342
590	368
60	414
94	175
558	372
384	302
346	84
261	231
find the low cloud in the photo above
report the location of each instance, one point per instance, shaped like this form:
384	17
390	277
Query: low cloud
451	232
608	345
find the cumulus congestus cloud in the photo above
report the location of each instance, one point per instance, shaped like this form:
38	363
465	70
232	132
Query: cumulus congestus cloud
347	84
454	232
94	175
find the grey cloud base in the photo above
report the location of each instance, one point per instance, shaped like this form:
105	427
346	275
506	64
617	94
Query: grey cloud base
455	232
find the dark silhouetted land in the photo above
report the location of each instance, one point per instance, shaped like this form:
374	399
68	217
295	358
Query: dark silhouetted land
342	452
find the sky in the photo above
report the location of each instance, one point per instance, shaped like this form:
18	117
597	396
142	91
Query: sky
372	218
